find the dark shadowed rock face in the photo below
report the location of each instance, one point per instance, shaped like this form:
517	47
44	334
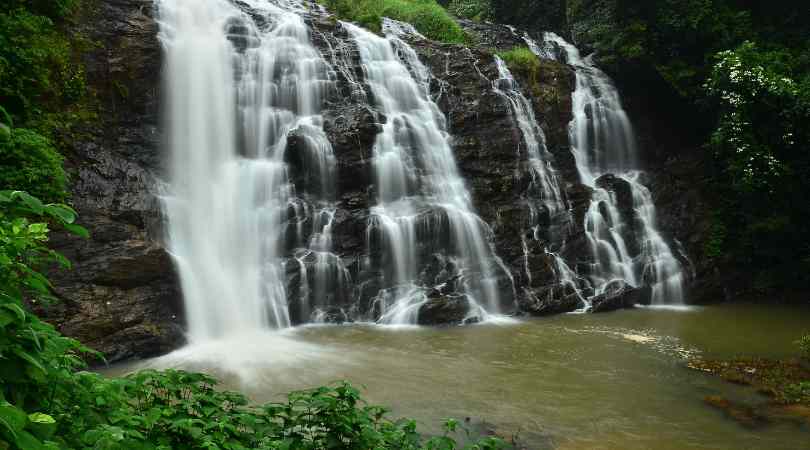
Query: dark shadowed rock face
444	310
619	295
123	296
552	299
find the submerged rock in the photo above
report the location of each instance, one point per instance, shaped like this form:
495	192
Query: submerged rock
556	299
619	295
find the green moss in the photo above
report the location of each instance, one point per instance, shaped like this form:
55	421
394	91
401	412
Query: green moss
523	60
427	16
784	381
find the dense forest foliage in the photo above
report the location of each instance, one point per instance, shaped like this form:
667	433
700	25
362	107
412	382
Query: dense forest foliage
745	66
43	94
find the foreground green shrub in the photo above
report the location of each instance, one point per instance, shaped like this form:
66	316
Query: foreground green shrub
36	362
426	16
29	161
181	410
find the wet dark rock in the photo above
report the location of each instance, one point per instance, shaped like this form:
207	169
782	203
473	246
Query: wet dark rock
122	295
548	300
619	295
622	191
444	310
333	315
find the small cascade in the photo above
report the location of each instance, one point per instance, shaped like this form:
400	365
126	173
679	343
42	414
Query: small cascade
424	211
544	196
245	91
620	223
544	182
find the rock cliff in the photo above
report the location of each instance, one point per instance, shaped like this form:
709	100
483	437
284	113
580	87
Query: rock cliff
122	296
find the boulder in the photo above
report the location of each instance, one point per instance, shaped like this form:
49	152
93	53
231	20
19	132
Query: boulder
618	295
444	310
548	300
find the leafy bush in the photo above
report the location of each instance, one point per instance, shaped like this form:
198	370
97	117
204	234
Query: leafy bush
28	161
143	411
426	16
37	362
36	68
478	10
798	393
760	143
759	122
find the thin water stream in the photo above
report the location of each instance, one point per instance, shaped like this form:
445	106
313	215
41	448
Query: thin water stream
578	381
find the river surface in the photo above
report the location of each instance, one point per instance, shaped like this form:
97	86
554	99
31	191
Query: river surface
576	381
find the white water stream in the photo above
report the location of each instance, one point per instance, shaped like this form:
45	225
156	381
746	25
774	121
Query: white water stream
420	192
236	91
603	142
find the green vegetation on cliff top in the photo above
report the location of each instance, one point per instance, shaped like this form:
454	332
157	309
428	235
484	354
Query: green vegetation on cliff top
477	10
521	59
427	16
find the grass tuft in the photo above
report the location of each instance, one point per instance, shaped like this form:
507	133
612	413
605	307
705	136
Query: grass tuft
521	59
427	16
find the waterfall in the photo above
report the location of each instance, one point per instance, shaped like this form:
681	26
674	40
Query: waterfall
544	195
422	199
242	89
544	180
620	223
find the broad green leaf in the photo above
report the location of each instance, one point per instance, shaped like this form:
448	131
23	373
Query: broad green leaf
41	418
16	309
30	359
12	418
64	213
30	201
41	425
27	441
37	282
6	318
78	230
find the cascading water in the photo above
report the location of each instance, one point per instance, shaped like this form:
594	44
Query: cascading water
421	196
544	181
620	223
544	195
238	92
